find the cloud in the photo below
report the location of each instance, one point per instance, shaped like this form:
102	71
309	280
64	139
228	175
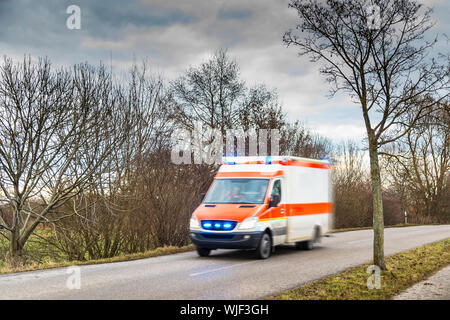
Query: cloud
234	14
173	35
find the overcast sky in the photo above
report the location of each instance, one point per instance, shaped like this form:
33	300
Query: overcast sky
175	34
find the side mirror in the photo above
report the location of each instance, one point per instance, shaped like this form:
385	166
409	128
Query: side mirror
274	200
202	196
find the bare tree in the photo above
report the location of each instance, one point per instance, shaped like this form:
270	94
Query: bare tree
212	96
58	129
351	181
418	165
297	140
209	94
382	62
260	109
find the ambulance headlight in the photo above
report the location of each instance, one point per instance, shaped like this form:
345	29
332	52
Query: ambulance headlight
194	223
248	223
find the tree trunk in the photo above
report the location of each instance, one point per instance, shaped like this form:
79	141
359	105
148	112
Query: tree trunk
378	223
15	247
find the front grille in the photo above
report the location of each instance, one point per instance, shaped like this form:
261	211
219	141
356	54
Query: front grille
218	225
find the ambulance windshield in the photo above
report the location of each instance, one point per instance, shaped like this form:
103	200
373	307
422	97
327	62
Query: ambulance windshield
252	191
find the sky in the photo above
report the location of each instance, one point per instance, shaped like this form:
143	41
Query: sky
172	35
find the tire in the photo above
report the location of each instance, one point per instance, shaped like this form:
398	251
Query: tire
203	252
308	245
264	247
305	245
317	235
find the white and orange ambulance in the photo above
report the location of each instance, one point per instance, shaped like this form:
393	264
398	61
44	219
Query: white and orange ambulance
260	202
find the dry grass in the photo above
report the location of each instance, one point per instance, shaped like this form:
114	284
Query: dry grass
128	257
404	270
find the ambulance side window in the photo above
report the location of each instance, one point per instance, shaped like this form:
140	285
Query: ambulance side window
276	189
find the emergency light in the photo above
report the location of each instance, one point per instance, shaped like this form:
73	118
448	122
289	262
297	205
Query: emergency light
207	225
218	225
232	160
327	159
226	161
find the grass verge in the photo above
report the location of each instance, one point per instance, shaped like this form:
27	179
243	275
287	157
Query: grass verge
128	257
404	270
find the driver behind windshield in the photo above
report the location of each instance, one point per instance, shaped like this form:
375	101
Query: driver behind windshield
235	194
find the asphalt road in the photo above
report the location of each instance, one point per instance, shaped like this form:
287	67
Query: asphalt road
226	274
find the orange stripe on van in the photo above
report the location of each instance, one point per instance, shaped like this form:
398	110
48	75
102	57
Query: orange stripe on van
255	174
300	209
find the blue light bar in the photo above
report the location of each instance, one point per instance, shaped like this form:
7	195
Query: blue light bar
226	161
207	225
268	160
327	159
217	225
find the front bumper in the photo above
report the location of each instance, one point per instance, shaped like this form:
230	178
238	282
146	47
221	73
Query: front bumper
229	240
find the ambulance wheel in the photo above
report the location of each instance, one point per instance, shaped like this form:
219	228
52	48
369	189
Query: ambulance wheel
265	246
308	245
304	245
203	252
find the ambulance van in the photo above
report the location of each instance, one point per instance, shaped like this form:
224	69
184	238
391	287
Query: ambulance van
261	202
